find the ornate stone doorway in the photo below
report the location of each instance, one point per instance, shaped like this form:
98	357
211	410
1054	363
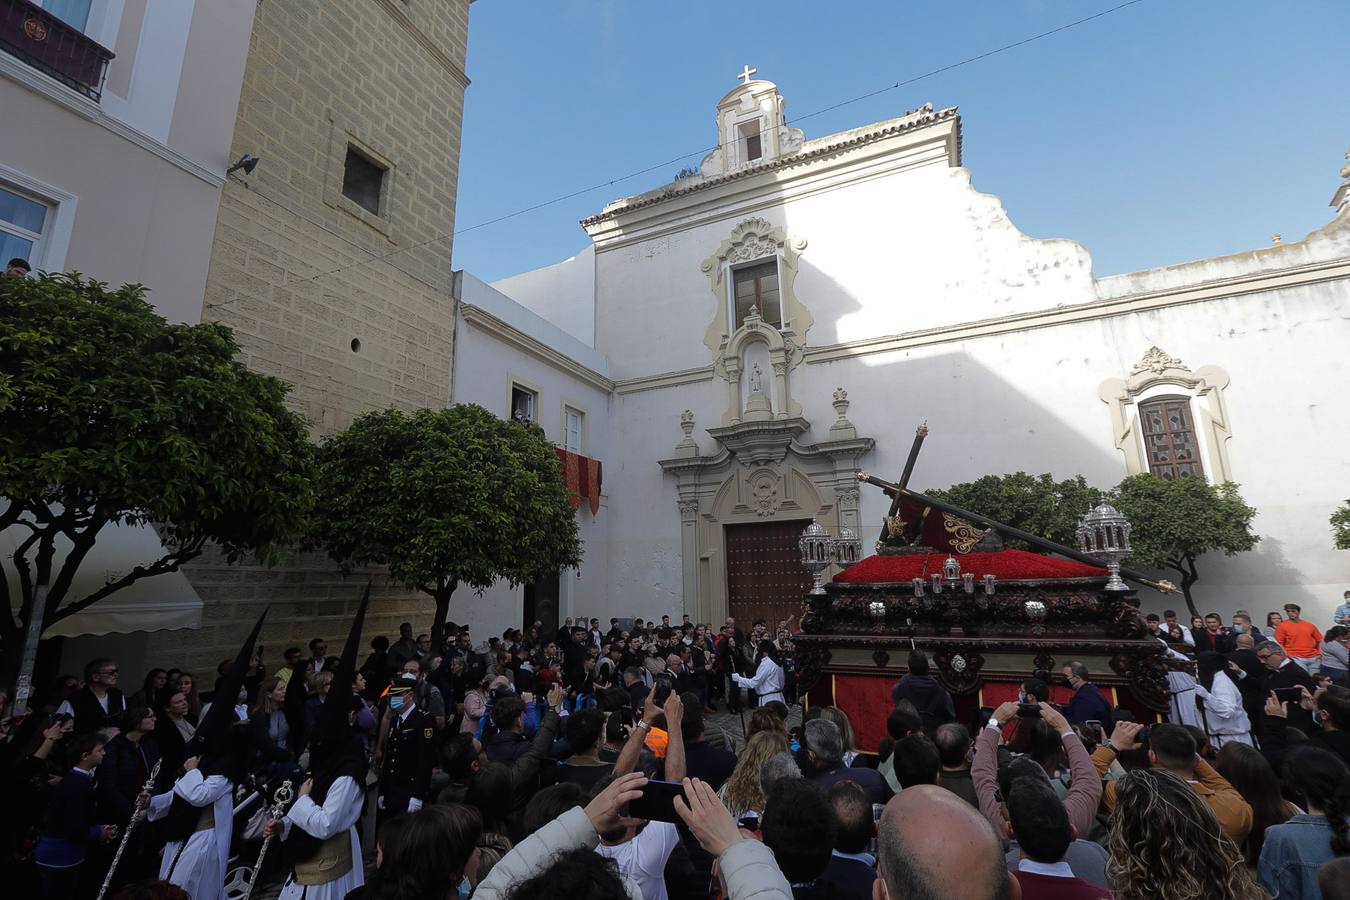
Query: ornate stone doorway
760	478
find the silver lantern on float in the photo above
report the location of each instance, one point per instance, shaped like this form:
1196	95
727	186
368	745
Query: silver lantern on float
816	547
1104	534
847	548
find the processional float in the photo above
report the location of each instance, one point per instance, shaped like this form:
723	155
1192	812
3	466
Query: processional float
988	616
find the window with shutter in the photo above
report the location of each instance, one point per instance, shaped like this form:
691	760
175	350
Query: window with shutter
1169	437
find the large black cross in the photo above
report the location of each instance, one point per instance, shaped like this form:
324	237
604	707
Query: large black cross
919	434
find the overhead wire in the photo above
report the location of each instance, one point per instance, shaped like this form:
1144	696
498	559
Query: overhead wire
703	152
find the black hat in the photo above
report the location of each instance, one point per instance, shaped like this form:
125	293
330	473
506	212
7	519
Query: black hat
213	726
333	727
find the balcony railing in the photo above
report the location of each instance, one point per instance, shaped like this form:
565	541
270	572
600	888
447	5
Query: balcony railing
30	33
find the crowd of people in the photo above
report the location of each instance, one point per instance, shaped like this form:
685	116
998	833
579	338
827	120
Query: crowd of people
581	763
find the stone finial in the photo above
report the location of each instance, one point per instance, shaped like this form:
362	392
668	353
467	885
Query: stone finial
688	446
1276	239
842	429
1341	199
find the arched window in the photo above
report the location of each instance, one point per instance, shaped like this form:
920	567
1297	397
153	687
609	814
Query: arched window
1168	428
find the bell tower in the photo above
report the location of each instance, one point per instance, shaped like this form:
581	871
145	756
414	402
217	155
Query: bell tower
751	127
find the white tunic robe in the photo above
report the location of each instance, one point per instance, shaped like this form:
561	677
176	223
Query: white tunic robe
1225	719
1182	709
200	868
340	811
767	682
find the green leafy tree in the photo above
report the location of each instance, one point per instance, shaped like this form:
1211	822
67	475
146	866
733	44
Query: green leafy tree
1178	520
444	498
1035	503
1340	526
110	414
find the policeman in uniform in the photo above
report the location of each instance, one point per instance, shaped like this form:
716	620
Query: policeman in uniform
405	777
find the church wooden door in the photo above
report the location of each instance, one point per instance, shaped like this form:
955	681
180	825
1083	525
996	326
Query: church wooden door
765	578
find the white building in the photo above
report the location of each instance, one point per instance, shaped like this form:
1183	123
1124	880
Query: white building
741	340
118	116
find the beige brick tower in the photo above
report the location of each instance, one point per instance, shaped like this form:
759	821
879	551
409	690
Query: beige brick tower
331	262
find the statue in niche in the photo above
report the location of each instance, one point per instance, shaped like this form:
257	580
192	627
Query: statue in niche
756	380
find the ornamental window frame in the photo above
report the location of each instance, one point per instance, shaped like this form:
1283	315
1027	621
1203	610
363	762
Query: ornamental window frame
1159	375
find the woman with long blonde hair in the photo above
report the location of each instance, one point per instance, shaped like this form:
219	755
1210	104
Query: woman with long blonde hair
840	718
742	792
1166	844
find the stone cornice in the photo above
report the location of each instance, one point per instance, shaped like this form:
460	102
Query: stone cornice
824	147
663	380
1219	289
396	11
754	196
50	89
1314	273
485	320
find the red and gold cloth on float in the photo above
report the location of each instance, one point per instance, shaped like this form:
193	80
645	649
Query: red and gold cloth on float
1005	565
582	475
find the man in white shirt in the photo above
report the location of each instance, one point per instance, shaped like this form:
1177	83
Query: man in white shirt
640	850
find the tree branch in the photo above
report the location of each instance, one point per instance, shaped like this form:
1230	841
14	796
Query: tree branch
84	542
167	564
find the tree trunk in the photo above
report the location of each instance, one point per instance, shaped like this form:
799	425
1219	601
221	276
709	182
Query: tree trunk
1189	576
442	597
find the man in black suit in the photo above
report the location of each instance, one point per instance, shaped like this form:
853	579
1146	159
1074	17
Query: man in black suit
851	868
821	759
99	704
1213	637
1285	673
1250	676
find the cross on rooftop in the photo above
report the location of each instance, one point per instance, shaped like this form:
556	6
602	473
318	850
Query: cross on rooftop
746	73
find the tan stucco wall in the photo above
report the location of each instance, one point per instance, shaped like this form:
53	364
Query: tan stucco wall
388	76
139	218
316	77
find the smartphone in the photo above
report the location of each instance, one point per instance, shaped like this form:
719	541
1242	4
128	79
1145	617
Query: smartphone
749	821
1030	710
1092	728
1293	694
657	803
661	688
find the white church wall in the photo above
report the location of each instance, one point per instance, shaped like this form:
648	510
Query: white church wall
644	550
563	293
1029	401
491	355
906	251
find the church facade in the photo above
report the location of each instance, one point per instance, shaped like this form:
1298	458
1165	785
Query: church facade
734	345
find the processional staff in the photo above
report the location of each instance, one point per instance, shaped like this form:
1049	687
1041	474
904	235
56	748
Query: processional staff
141	804
1165	587
280	800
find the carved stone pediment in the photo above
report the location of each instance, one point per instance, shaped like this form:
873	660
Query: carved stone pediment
760	443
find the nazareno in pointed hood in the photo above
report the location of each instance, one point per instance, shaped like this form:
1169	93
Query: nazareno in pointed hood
211	730
223	744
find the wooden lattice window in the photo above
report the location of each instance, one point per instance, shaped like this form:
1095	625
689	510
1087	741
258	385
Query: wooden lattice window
1169	438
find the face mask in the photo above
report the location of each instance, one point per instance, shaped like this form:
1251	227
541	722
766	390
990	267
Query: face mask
1238	629
464	888
395	703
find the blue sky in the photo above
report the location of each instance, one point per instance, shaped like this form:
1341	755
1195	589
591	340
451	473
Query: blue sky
1167	131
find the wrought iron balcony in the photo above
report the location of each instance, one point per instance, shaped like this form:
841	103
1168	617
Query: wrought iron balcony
30	33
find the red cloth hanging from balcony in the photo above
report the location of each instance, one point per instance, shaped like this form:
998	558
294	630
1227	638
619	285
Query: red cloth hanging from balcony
582	476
